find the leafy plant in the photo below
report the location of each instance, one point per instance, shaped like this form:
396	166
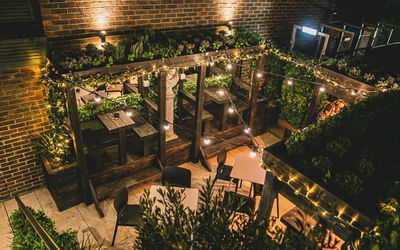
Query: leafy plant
129	101
338	146
213	225
224	80
25	236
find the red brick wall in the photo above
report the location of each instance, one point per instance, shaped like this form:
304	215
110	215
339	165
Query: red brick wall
23	118
273	18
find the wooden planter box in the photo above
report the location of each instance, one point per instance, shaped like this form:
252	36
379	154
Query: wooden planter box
298	181
63	183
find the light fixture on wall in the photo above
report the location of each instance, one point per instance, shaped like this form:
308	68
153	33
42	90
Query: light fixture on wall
309	30
103	34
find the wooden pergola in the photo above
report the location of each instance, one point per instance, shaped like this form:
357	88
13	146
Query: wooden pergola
182	153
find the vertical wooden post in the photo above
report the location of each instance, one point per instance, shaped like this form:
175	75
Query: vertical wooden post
268	196
255	84
201	75
312	108
143	93
162	103
78	142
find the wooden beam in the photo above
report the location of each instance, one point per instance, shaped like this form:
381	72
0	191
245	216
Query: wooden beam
95	199
162	103
268	195
143	93
255	84
203	159
78	141
201	75
313	106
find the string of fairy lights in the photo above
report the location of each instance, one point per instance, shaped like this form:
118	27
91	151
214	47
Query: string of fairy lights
255	146
340	214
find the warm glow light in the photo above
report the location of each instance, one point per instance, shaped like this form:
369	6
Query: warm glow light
230	22
229	66
324	213
297	191
231	110
220	92
128	113
101	20
353	92
229	32
166	126
322	89
218	77
97	99
103	32
253	153
247	130
207	140
259	75
211	63
290	82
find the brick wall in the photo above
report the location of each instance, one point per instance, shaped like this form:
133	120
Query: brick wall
272	18
23	118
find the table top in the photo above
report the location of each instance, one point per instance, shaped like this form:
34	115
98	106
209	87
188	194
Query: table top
90	97
211	92
248	168
112	123
190	200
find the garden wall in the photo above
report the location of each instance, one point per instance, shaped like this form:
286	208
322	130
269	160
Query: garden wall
23	119
272	18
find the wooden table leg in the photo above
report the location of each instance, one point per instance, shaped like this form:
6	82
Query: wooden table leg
206	127
146	147
223	124
122	146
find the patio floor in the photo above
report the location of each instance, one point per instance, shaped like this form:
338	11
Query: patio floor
100	230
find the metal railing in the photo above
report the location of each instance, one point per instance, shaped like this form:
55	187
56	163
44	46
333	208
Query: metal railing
47	240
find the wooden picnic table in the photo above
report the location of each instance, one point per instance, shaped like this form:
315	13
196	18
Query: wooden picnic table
212	93
190	201
119	124
90	97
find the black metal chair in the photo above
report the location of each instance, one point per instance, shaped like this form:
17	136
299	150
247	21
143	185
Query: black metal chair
244	204
176	176
224	171
127	215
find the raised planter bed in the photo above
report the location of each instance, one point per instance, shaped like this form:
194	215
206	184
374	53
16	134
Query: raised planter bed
303	184
63	183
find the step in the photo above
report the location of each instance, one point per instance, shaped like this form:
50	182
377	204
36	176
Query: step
108	190
214	149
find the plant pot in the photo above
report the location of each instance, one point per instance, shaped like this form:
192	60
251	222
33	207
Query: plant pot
63	183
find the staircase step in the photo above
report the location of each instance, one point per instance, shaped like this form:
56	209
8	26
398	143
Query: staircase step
109	189
215	148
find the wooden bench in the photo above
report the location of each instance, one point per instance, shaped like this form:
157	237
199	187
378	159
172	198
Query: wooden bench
206	116
96	143
144	130
241	106
189	108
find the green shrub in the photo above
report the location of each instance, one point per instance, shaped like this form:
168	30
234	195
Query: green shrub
25	237
128	101
212	226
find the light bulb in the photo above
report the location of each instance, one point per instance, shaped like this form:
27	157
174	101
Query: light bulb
247	130
353	92
259	75
290	82
166	126
229	66
128	113
211	63
253	153
97	99
231	110
103	32
230	22
229	32
207	140
220	92
322	89
218	77
384	90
